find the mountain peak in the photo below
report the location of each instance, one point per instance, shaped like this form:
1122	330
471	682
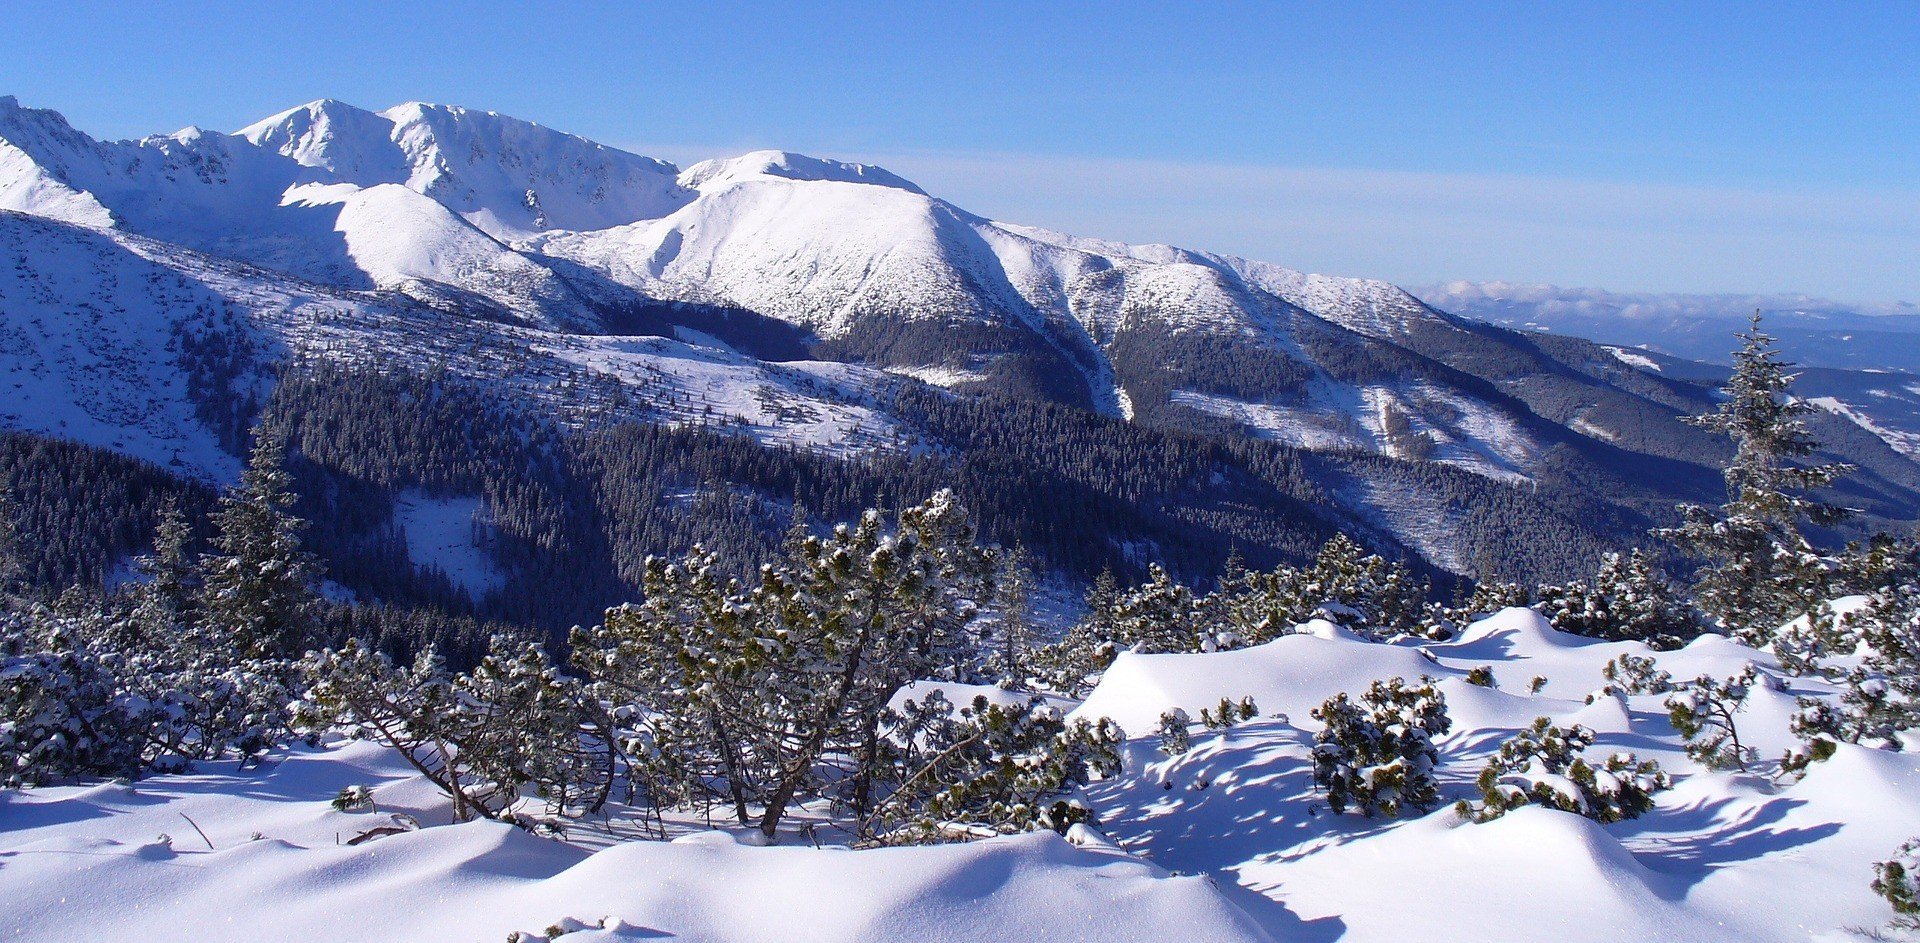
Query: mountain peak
786	165
350	142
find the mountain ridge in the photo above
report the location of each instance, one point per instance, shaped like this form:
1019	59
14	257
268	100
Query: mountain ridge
788	297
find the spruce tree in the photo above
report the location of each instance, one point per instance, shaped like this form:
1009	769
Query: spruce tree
13	564
258	585
165	599
1759	569
1013	589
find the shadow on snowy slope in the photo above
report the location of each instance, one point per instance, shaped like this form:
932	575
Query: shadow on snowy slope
1687	843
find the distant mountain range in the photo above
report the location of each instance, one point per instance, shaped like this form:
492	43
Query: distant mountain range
1813	331
812	303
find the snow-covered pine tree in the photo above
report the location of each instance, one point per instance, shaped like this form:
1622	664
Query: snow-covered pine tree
1103	598
164	600
1545	765
1629	599
1161	615
1069	664
134	685
519	722
363	690
988	769
1703	711
1254	606
1361	591
1897	881
1227	713
1632	675
1879	563
1759	569
1879	702
515	721
1377	754
660	660
62	713
852	618
258	585
765	681
1172	732
13	564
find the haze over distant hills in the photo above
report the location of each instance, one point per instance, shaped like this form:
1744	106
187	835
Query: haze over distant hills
1814	331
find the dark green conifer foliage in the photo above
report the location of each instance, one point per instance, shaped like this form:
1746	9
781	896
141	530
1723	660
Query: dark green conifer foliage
259	582
1759	569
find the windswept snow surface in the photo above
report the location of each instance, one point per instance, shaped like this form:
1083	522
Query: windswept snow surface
88	864
1724	856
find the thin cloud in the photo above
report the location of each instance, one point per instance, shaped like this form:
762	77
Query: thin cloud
1416	228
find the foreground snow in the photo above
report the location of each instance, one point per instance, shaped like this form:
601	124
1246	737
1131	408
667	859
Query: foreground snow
1724	856
85	863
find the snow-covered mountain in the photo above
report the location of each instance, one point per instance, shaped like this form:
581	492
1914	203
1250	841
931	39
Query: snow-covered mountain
99	326
346	234
484	213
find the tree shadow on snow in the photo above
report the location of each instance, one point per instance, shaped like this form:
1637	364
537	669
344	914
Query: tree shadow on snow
1690	842
1263	906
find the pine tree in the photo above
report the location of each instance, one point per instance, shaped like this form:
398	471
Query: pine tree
1629	599
1882	562
1897	881
1361	591
520	722
258	585
1160	615
987	769
1545	765
1704	710
1880	697
1759	569
1377	754
13	564
63	712
751	686
1012	600
1172	732
166	598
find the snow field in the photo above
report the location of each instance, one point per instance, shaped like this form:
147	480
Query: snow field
85	863
1722	856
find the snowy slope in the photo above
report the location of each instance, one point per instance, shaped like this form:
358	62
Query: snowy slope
92	319
306	193
490	215
511	178
483	880
494	220
819	253
1723	856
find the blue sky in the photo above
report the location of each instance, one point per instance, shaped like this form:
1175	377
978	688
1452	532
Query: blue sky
1724	147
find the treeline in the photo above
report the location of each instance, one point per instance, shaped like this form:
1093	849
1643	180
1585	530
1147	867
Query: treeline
571	514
